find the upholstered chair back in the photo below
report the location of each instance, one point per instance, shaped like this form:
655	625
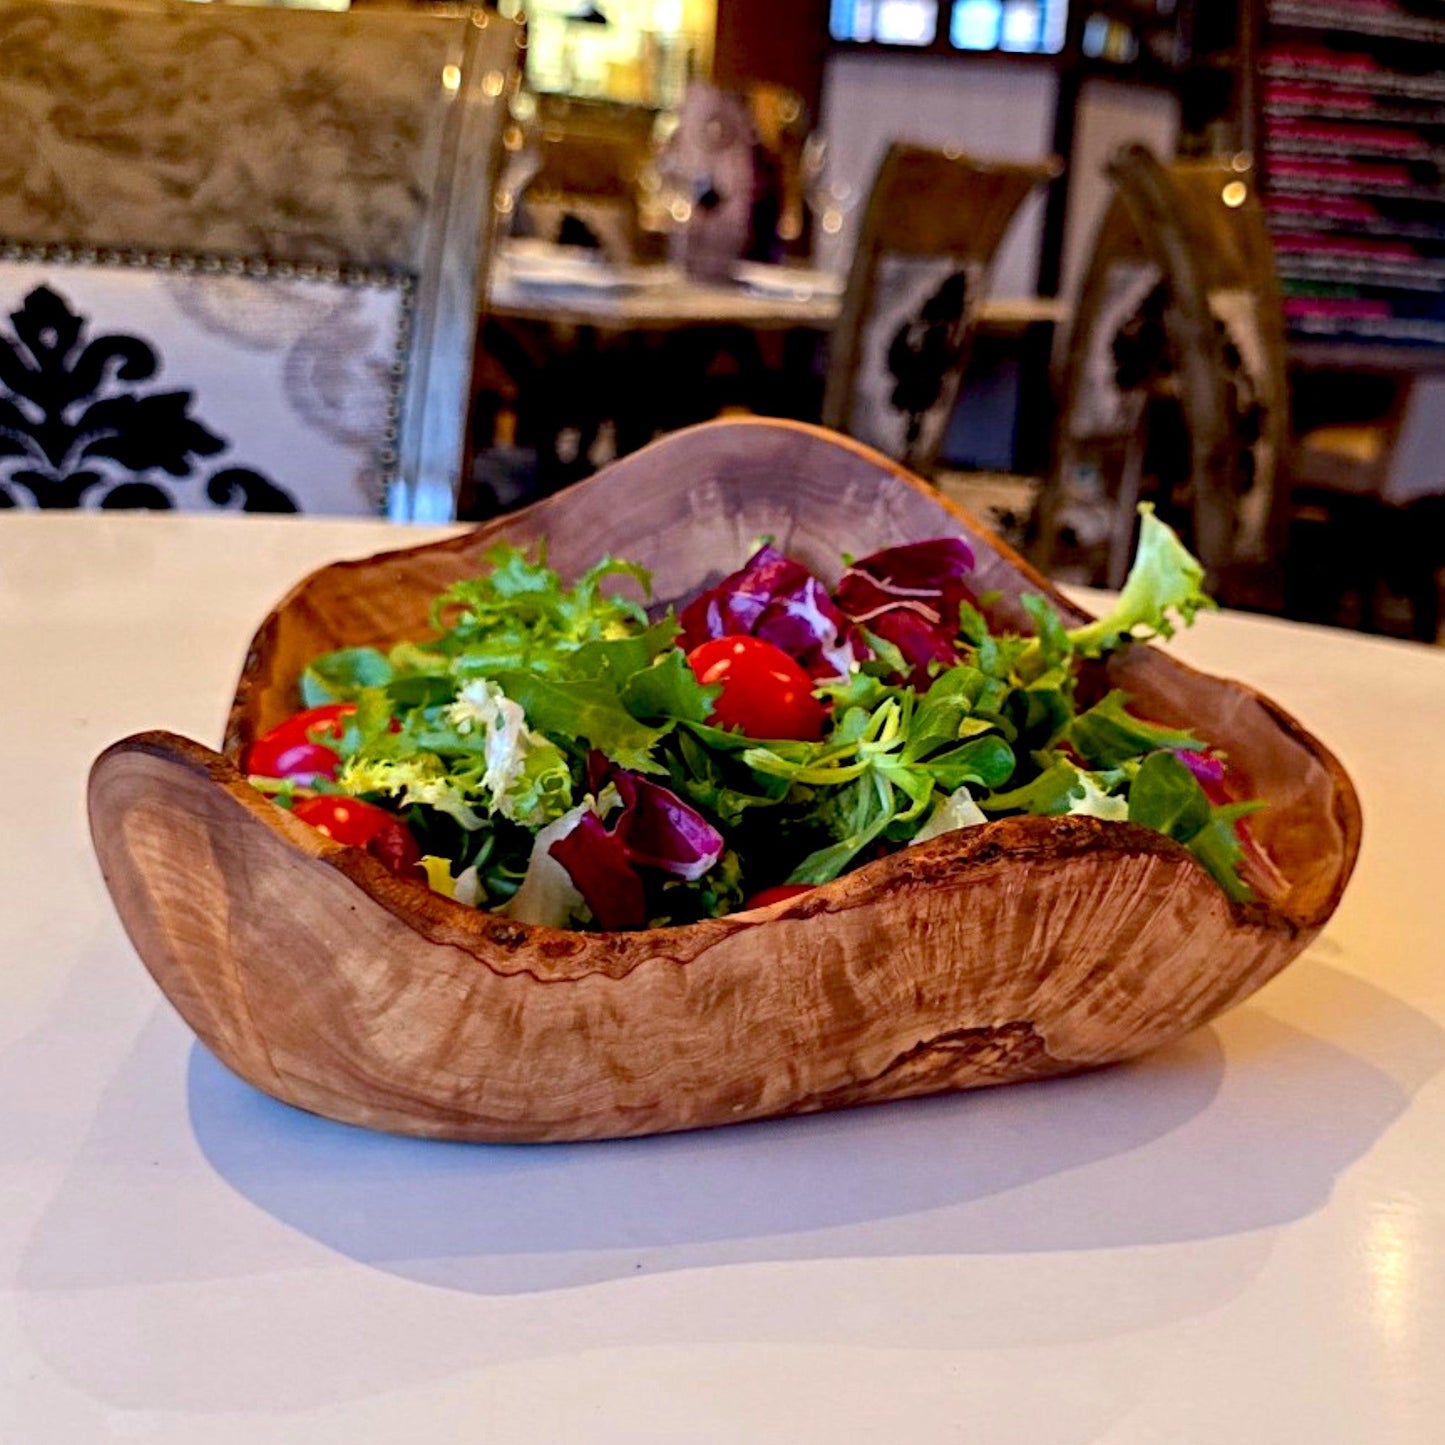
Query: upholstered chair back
921	267
242	252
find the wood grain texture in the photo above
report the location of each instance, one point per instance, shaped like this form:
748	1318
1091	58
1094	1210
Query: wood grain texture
1015	950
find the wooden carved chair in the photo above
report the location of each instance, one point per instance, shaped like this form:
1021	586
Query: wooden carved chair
1173	385
933	224
242	252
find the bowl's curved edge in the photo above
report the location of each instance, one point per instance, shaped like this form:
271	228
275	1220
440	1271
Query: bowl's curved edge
1348	816
986	958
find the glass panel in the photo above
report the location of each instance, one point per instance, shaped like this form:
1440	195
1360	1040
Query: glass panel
1056	19
907	22
851	20
889	22
1106	39
1021	22
1025	26
976	24
642	56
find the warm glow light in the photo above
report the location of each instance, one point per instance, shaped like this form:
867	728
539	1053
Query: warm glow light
451	77
1391	1260
1235	194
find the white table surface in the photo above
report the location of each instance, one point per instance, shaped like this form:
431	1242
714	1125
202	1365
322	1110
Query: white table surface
1239	1240
564	285
532	282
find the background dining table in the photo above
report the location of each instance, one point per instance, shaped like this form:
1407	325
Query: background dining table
568	285
584	341
1240	1238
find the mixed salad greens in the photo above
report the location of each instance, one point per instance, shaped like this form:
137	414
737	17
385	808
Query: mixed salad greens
569	757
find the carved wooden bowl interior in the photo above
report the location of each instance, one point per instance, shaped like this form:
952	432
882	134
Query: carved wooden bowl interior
1013	950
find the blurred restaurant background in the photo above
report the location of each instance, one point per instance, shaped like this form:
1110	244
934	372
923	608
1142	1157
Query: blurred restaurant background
1058	257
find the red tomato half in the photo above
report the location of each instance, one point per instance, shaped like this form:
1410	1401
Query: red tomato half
765	694
363	825
777	893
288	750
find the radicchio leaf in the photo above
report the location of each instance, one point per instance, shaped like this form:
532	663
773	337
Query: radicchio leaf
910	596
597	861
1209	769
780	601
662	831
654	829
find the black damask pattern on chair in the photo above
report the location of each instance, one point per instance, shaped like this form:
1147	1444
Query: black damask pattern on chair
1143	363
78	428
924	351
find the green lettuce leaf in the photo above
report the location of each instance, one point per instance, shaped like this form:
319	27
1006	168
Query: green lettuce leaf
1166	796
1218	847
618	658
1164	582
1108	734
342	676
987	761
667	688
518	616
1051	792
588	714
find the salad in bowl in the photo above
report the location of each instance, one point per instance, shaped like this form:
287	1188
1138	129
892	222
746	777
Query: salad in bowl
565	756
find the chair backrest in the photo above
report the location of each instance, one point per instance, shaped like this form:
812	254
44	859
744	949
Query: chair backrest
590	156
1174	385
242	252
932	226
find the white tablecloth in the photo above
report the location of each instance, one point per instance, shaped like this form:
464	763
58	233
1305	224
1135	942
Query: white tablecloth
1240	1239
563	285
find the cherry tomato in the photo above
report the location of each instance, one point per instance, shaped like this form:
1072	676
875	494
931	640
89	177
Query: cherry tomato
363	825
777	893
288	750
765	694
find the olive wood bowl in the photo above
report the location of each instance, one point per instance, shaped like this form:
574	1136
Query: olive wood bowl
1014	950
